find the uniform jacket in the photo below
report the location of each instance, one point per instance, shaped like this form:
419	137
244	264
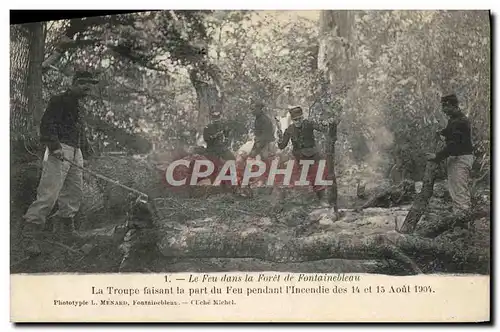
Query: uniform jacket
457	136
62	122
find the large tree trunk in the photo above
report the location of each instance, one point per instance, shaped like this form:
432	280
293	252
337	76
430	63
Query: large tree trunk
208	94
330	162
335	47
145	245
19	64
183	242
335	39
26	57
26	109
37	51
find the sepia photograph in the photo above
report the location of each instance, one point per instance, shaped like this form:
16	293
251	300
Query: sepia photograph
325	142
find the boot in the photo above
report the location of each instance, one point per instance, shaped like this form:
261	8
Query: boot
68	225
69	228
57	225
30	233
64	229
49	225
322	198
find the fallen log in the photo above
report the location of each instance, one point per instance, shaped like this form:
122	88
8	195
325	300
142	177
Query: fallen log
433	229
400	194
253	243
422	201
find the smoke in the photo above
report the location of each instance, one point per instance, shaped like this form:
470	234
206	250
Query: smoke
378	159
367	133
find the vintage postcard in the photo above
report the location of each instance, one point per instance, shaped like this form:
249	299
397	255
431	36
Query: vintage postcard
251	166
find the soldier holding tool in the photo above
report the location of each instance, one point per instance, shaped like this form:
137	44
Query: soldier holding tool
301	133
458	154
215	135
62	131
263	130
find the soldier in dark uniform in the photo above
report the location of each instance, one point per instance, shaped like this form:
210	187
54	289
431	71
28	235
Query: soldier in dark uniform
458	154
301	133
263	132
215	135
62	131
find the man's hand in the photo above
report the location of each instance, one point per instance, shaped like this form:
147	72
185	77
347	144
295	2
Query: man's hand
58	154
278	128
430	156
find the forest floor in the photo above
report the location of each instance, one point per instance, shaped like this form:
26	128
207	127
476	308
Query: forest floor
290	218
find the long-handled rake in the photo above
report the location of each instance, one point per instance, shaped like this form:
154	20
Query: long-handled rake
141	196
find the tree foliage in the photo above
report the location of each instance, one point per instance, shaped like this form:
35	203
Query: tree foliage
399	63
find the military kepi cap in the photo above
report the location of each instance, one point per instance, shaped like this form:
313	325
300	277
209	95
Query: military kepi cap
450	99
84	76
295	111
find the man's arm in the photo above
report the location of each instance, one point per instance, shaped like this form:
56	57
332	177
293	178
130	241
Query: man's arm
207	133
445	132
49	125
455	134
283	141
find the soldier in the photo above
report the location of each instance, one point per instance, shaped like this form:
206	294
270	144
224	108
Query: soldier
62	131
263	132
301	133
458	153
285	100
215	135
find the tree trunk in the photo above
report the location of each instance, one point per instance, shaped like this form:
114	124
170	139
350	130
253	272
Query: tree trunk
27	51
183	242
330	161
19	64
209	97
34	89
336	31
420	205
